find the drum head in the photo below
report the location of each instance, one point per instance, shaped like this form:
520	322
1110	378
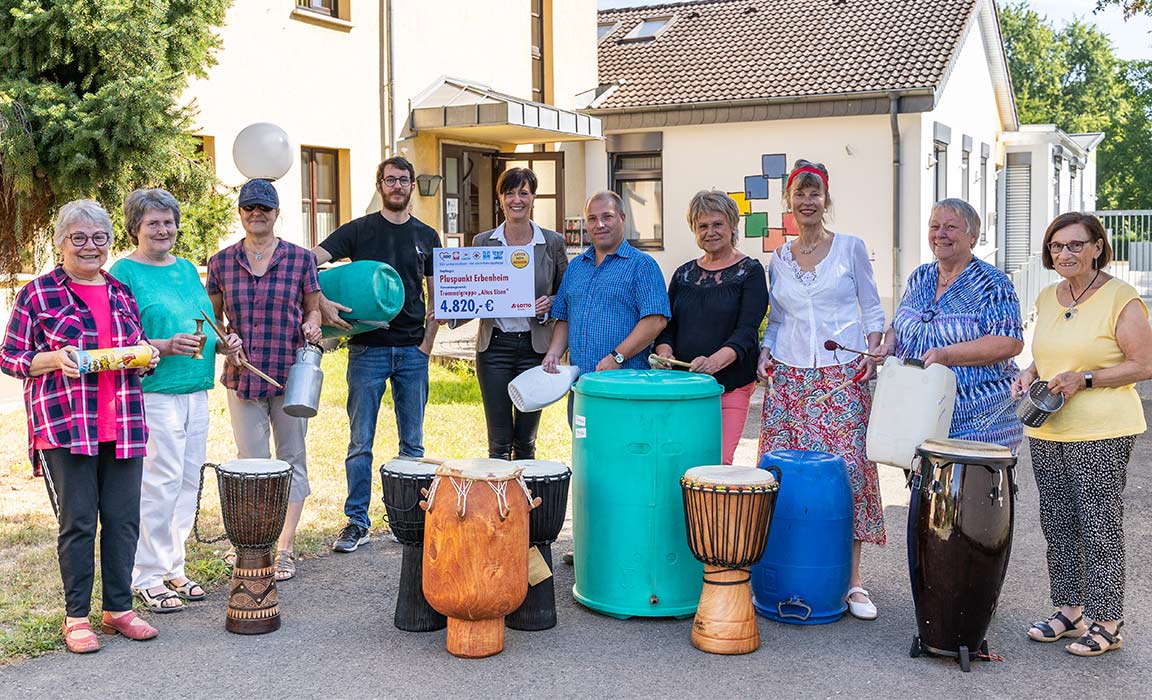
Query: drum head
480	469
965	449
410	467
254	466
541	469
729	475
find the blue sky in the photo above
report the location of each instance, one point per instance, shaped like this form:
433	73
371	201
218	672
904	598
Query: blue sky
1133	39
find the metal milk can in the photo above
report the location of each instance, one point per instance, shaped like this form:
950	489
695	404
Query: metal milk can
305	378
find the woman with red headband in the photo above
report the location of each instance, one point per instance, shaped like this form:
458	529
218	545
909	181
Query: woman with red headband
820	289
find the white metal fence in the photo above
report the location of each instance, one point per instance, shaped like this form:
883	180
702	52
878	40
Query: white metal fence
1028	280
1130	233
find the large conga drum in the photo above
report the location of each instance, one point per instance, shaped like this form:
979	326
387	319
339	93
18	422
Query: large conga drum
727	513
253	503
959	540
403	480
547	481
476	550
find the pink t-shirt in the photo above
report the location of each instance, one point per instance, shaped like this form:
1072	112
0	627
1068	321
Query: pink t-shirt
96	298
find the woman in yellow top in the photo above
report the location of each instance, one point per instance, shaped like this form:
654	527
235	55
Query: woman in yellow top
1092	343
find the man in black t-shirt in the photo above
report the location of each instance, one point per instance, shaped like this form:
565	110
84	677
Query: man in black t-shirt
399	352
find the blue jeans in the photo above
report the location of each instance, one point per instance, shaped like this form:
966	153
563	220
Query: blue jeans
369	369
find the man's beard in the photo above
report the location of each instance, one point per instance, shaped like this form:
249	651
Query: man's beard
402	206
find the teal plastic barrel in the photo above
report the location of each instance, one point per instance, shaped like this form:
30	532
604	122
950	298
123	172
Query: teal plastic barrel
634	434
373	290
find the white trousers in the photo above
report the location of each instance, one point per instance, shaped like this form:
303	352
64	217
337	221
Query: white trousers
177	445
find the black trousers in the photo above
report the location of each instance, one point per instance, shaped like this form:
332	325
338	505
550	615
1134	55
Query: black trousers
83	490
511	433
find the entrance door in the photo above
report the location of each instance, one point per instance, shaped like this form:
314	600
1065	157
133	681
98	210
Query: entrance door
549	168
468	188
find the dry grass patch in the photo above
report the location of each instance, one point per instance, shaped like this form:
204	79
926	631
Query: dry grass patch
31	595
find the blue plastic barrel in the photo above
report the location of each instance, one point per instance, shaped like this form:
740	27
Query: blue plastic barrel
804	574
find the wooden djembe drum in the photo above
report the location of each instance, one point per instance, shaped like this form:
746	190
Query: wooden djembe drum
403	482
253	504
548	481
476	550
728	511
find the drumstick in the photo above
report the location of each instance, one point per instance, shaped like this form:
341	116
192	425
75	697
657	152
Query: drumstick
656	359
832	345
841	385
243	363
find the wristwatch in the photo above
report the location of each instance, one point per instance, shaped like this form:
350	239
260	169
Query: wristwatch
618	357
1087	380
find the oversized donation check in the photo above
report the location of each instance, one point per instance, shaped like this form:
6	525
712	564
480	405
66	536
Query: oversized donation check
484	282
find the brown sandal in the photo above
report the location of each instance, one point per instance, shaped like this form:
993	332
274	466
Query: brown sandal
1093	648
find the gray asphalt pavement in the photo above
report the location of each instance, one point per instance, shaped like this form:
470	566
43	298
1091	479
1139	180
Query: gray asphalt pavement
338	640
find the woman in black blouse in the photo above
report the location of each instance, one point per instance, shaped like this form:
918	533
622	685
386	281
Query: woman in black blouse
718	301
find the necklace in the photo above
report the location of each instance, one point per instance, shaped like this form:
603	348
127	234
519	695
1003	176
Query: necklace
1071	310
945	284
259	254
809	251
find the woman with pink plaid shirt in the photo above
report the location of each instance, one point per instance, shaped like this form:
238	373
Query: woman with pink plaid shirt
86	432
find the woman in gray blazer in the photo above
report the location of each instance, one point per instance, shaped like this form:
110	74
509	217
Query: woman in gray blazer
505	347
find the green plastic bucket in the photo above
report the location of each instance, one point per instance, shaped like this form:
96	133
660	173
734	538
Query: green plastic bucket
634	434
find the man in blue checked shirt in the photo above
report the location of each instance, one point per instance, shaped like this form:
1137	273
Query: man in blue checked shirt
613	301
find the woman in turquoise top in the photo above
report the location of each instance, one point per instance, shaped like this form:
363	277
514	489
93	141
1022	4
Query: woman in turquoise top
170	297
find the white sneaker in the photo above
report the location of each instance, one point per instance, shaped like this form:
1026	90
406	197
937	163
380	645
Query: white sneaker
861	611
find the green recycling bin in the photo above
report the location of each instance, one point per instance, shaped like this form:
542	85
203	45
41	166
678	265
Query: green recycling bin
634	434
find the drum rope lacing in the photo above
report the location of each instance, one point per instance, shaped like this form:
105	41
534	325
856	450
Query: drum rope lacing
463	486
733	532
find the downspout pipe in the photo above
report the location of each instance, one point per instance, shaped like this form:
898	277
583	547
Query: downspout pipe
894	119
388	127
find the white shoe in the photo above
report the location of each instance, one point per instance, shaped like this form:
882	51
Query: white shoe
860	611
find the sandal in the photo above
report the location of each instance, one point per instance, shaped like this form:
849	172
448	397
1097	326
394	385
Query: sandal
189	590
166	602
1093	647
858	610
1044	632
128	625
85	644
285	565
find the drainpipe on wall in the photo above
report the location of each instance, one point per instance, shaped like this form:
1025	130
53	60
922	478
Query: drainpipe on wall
387	102
897	278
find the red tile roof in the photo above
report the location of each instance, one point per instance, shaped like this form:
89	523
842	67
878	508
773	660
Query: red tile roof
720	50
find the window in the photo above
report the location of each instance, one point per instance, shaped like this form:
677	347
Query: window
1072	205
537	50
638	179
966	169
649	28
604	29
940	152
1057	163
320	186
324	7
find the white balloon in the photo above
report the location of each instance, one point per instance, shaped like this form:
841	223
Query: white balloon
262	150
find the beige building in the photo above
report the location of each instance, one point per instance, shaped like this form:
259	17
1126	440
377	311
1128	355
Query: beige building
463	89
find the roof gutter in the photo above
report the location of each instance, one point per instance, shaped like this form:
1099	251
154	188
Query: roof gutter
802	99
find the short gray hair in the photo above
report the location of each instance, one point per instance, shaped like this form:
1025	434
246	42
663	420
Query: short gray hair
962	209
76	211
715	202
140	202
617	202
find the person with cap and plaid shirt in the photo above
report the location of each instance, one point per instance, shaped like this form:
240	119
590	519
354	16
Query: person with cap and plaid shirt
268	289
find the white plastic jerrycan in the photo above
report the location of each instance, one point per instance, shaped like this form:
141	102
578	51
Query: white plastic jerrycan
912	404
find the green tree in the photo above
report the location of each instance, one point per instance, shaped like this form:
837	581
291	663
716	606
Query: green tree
1072	78
90	106
1130	7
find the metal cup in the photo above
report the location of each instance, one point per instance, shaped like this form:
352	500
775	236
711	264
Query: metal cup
1038	404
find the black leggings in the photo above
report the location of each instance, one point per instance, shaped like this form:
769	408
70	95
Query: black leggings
511	433
83	490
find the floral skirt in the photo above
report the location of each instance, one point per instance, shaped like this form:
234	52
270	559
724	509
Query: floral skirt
794	421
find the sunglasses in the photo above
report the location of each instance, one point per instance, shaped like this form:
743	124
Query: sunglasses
253	207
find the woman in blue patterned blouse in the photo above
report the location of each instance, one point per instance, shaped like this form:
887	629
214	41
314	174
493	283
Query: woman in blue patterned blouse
963	313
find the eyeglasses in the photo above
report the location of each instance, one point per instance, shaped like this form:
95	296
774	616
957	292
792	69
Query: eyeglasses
254	207
99	239
393	181
1072	246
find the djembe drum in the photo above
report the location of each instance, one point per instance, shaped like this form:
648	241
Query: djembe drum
549	482
728	511
253	503
403	481
476	550
959	540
